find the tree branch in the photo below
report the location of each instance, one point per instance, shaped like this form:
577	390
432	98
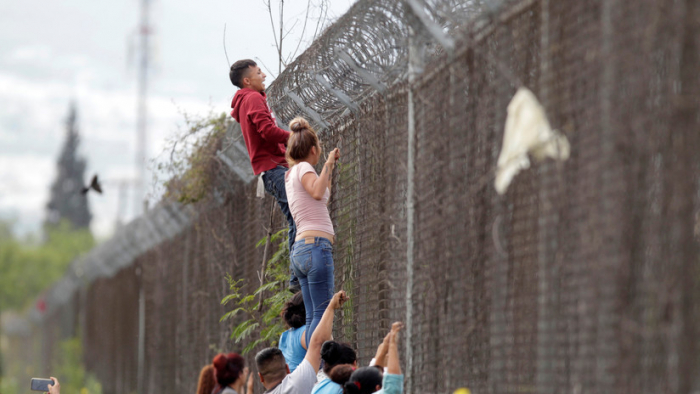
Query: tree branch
264	65
279	49
303	30
272	23
321	18
226	53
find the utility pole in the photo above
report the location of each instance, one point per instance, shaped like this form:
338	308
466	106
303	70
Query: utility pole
142	110
140	189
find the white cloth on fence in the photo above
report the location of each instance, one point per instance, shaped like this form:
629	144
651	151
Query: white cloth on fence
527	131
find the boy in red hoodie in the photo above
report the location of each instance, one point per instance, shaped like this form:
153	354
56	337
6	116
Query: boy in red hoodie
264	140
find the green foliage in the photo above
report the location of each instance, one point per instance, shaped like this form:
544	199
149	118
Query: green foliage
247	305
70	370
8	385
190	157
27	267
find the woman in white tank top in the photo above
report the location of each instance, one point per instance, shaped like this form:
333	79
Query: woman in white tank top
307	195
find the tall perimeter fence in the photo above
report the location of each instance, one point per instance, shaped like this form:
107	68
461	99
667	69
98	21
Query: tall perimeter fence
582	278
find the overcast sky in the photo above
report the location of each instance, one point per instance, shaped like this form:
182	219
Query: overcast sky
52	52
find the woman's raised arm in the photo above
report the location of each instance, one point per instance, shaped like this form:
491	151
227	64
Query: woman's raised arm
316	185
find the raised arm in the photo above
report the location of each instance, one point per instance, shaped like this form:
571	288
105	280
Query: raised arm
323	330
249	384
393	366
382	350
316	185
335	152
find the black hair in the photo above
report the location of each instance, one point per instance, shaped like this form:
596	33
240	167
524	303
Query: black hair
334	353
294	312
271	363
363	381
239	69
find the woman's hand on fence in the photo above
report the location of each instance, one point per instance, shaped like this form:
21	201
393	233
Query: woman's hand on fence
333	157
338	299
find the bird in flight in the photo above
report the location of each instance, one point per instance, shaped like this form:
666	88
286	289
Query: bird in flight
94	184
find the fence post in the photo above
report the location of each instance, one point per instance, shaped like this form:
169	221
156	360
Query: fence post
544	326
415	65
141	362
606	347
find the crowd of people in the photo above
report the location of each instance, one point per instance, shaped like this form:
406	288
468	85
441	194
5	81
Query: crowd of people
307	360
327	366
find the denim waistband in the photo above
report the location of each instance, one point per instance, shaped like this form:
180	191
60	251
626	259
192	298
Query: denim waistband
318	241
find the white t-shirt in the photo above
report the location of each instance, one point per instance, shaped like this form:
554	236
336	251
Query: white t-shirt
301	381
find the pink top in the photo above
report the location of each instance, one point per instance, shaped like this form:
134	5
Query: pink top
308	213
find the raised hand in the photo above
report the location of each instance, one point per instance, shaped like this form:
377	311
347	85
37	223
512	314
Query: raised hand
396	327
333	156
338	299
249	384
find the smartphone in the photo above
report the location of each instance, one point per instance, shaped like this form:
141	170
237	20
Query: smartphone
41	384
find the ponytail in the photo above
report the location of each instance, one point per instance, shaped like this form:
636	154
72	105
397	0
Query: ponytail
352	388
301	140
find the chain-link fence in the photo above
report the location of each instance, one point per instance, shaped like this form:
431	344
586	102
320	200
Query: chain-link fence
582	278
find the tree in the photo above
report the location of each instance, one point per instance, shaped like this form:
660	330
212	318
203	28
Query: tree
66	201
27	269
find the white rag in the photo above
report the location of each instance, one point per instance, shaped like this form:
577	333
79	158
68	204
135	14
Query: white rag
260	191
527	132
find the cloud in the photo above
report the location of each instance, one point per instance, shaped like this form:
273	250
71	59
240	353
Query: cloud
55	52
32	53
32	132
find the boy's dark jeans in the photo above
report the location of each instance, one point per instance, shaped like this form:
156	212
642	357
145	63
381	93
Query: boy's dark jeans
274	184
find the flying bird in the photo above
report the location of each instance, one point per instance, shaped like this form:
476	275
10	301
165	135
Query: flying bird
94	184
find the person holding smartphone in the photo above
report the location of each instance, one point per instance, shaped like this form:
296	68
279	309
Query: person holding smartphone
54	388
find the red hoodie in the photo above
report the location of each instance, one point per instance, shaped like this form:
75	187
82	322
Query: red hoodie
264	140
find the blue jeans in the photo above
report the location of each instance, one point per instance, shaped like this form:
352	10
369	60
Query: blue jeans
274	185
312	263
